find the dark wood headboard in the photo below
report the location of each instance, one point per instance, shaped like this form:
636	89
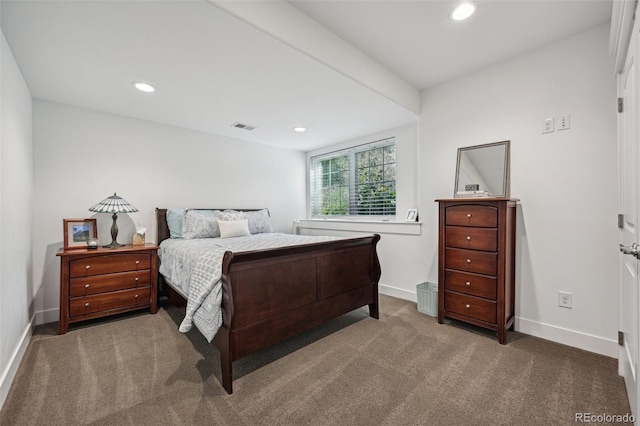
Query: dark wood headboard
163	227
161	223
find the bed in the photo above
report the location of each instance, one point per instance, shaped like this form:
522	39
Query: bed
269	295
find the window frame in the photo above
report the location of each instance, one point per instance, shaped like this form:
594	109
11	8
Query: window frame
351	152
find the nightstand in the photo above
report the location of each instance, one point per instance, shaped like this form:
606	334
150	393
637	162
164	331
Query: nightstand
101	282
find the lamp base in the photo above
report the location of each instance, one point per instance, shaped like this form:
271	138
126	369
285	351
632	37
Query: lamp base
114	233
114	245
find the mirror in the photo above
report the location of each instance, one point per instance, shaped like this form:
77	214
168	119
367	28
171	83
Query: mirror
483	171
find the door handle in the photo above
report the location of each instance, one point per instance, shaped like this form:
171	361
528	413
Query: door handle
633	250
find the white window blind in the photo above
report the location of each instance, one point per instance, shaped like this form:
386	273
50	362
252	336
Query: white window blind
359	181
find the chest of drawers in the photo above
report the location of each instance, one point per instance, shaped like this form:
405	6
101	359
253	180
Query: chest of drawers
476	262
102	282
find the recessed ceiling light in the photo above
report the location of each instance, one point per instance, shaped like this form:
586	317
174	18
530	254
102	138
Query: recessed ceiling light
143	87
463	11
300	129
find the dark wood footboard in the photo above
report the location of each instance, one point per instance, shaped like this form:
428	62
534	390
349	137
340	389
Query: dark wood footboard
271	295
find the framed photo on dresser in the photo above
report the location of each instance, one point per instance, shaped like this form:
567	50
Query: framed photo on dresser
77	232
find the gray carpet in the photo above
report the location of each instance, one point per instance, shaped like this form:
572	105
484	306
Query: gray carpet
404	369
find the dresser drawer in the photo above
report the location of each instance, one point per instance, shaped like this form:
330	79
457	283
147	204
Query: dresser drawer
472	238
106	301
107	264
474	307
471	215
110	282
475	285
480	262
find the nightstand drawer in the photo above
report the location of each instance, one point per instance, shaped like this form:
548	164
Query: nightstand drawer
110	282
472	215
472	238
107	264
106	301
474	307
480	262
475	285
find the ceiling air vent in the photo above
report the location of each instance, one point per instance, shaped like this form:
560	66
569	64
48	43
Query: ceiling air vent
243	126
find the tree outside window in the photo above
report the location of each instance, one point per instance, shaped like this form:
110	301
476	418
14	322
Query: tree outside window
360	181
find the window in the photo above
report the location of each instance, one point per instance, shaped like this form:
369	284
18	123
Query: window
360	181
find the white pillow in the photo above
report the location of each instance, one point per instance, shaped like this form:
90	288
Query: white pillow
233	228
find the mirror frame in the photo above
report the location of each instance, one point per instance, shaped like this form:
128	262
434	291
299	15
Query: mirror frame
506	184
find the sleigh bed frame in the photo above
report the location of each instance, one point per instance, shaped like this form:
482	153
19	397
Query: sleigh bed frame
271	295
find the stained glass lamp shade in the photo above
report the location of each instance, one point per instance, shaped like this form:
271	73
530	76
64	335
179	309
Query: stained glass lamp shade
115	205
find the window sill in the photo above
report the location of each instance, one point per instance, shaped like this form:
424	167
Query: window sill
373	226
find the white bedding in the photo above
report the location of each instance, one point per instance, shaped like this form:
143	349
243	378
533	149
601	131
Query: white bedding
195	267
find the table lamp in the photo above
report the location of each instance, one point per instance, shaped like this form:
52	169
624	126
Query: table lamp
115	205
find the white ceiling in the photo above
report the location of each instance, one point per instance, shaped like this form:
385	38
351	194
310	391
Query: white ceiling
417	41
213	69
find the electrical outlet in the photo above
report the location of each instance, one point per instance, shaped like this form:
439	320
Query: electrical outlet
565	299
547	125
564	122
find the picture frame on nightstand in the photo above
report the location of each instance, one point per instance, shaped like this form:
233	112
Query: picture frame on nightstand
78	232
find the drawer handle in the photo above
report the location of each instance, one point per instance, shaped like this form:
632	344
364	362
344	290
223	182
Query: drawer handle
136	296
87	285
137	279
468	283
137	261
468	238
467	306
469	215
88	267
86	304
468	260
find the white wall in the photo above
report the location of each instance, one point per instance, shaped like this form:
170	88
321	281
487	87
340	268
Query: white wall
566	180
82	156
16	197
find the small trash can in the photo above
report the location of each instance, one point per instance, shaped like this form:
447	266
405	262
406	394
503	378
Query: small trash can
428	298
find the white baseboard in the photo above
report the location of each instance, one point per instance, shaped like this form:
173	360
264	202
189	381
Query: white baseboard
14	362
576	339
45	317
400	293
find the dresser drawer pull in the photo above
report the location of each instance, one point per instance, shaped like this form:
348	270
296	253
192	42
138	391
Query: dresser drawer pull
137	279
88	266
468	260
468	238
87	285
468	283
136	296
467	306
468	214
86	304
137	261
